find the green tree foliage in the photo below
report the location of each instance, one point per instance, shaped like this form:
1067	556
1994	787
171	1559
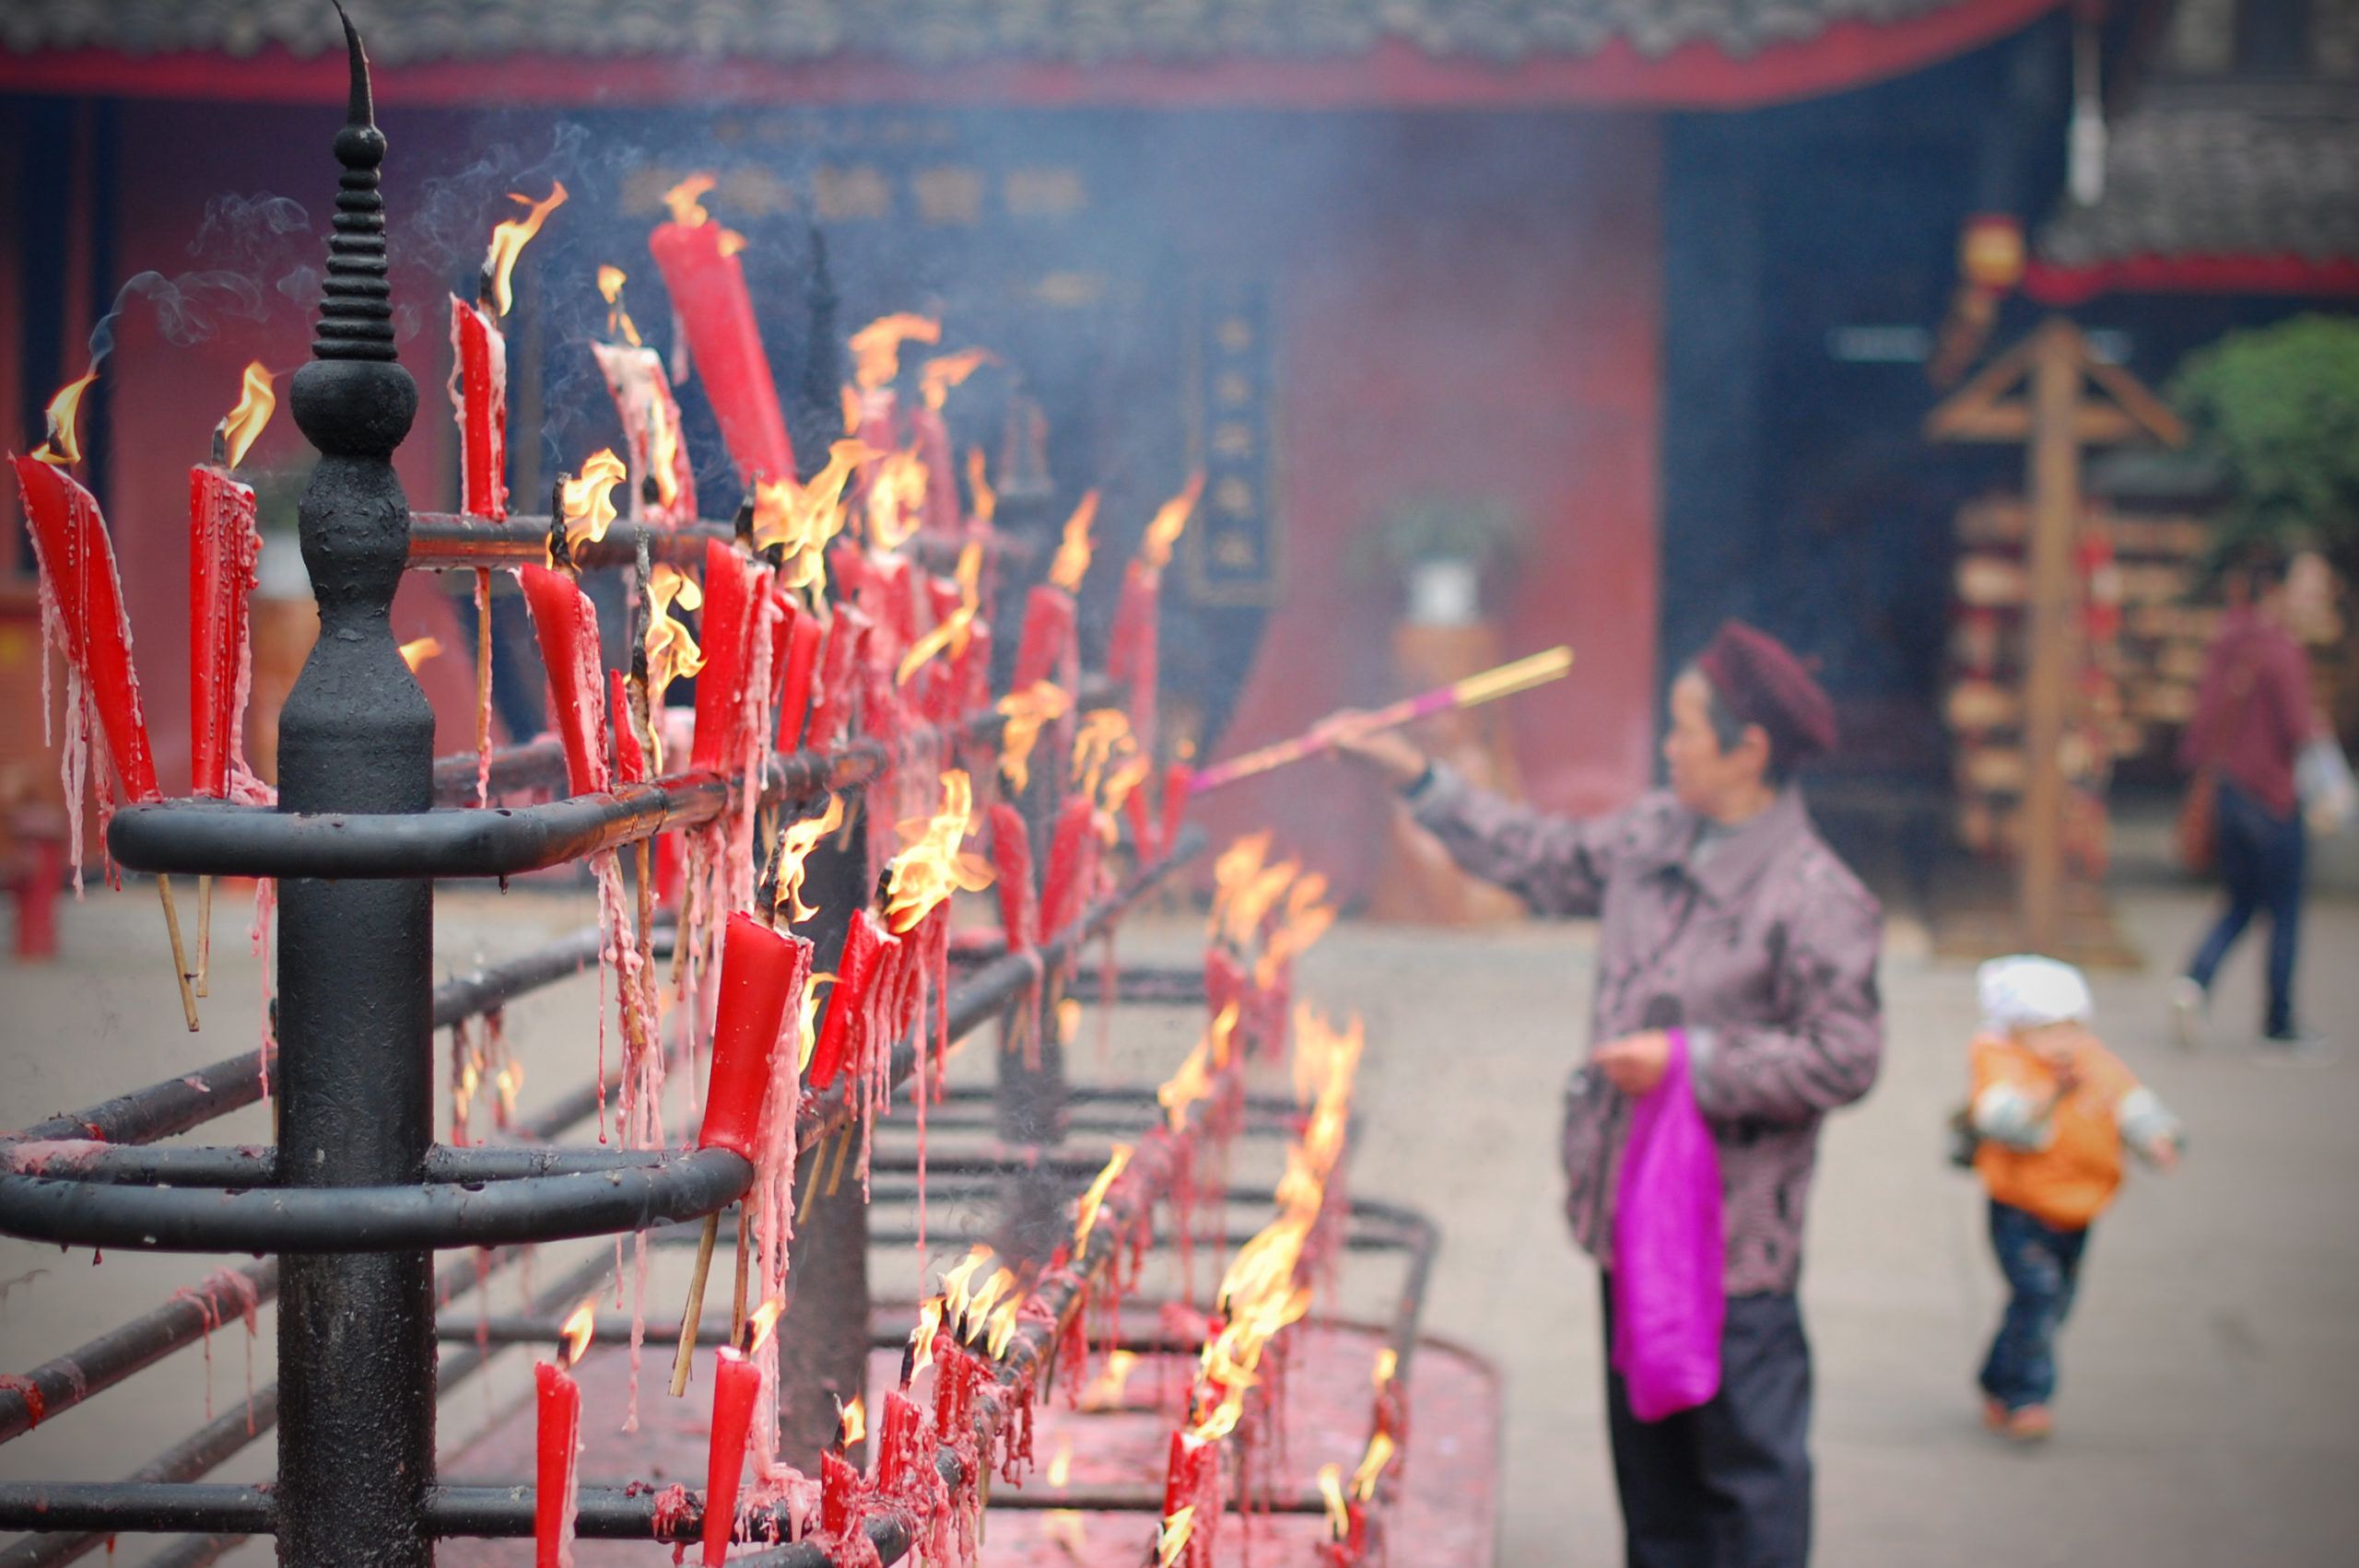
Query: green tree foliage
2279	408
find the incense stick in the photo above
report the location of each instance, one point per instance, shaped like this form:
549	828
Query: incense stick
179	955
1489	686
694	1316
203	935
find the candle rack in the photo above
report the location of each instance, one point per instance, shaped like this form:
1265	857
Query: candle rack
356	1197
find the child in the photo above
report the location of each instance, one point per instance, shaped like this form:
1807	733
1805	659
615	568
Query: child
2053	1109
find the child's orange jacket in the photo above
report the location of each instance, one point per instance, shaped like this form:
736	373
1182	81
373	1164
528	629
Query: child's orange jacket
2062	1169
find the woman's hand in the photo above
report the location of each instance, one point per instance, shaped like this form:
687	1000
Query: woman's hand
1382	751
1634	1063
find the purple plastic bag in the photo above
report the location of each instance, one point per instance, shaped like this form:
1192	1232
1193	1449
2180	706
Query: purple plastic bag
1668	1291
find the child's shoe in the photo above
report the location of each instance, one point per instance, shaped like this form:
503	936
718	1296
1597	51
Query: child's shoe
1994	1413
2029	1424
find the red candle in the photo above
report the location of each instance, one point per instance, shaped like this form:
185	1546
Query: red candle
557	1447
736	1382
77	569
1046	652
1012	860
848	636
795	687
659	457
222	548
698	260
631	758
479	398
855	972
932	435
567	624
839	1494
1131	647
1073	867
1190	1481
954	1386
761	977
1176	781
1140	811
902	1446
730	584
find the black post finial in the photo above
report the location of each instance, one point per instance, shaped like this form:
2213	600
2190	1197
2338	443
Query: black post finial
357	317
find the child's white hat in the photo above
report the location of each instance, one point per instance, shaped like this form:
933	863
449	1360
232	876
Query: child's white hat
2025	991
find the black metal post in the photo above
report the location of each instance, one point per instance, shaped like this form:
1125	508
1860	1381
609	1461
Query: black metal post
355	1333
823	1335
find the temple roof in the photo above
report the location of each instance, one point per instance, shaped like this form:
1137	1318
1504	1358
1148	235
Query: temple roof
944	32
2270	172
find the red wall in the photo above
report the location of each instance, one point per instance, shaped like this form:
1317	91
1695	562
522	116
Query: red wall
1491	326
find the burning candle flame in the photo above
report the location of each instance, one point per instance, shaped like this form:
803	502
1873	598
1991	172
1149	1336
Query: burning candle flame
795	843
937	377
801	519
1372	1463
877	347
1071	561
575	1334
921	1337
954	1285
955	627
931	867
64	448
1330	1489
588	502
1043	702
619	322
1086	1214
418	651
1192	1083
1003	1327
1171	1535
508	241
979	1305
1388	1362
242	424
1061	1463
763	1319
896	500
852	1421
686	211
986	498
1105	1392
1104	739
1155	550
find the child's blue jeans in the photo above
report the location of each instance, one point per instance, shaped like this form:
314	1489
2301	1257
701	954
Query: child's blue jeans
2042	1265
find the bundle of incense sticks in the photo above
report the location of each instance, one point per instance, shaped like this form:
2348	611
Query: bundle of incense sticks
1491	685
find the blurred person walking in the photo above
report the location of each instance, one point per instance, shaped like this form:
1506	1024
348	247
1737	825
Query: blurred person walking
1733	945
2052	1110
2253	716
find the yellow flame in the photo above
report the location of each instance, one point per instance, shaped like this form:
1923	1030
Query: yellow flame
1104	736
1071	561
810	1041
1060	1462
507	242
1105	1391
937	377
242	424
1043	702
1330	1489
672	652
418	651
1155	550
930	868
1303	923
954	1285
1372	1463
1388	1362
896	500
1232	869
877	347
1171	1535
575	1334
1086	1214
731	243
796	842
921	1337
955	628
1193	1080
587	501
803	518
686	211
852	1421
64	448
979	1305
986	498
619	322
763	1319
1003	1327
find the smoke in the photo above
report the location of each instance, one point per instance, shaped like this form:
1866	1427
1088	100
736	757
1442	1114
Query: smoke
189	308
247	225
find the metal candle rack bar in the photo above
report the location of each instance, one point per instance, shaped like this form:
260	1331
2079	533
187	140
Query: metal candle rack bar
356	1197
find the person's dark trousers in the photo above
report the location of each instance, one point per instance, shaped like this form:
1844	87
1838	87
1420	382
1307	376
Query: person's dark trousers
2261	859
2043	1268
1726	1484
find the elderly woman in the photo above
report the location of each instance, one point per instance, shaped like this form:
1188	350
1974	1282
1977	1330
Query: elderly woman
1724	914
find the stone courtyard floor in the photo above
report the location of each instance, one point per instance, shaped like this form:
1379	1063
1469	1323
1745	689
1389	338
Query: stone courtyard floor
2210	1407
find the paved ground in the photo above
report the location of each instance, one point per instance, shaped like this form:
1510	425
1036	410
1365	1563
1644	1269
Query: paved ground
2211	1375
